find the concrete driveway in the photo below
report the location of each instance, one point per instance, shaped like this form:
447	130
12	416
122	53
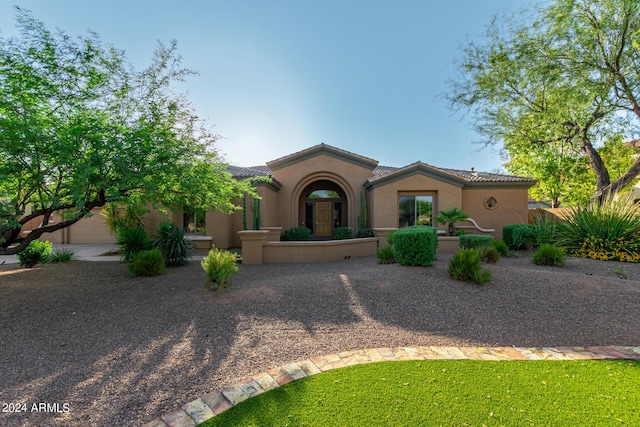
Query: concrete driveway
84	252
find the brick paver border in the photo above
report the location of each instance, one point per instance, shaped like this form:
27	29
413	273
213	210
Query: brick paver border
193	413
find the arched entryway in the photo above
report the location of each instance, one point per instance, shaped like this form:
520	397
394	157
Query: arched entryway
323	207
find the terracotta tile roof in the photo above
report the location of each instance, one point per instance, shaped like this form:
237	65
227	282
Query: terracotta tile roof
380	171
242	172
475	176
318	148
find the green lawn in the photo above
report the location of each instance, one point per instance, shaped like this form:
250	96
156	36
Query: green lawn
452	393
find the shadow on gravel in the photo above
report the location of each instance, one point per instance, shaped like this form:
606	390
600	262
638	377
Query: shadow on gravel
122	351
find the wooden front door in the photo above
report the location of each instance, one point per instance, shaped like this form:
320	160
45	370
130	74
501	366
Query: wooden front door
323	219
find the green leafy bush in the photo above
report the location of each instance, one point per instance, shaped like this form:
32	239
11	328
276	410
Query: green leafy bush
61	255
219	266
549	255
465	266
36	252
415	245
341	233
366	232
390	238
501	247
132	240
460	233
488	253
146	263
296	233
171	242
385	255
519	236
607	230
472	241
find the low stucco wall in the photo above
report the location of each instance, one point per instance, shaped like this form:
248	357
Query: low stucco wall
317	251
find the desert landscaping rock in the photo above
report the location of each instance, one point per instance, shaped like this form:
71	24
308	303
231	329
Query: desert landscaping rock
124	351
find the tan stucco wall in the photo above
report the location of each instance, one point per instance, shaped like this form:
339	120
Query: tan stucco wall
87	230
512	207
294	178
383	206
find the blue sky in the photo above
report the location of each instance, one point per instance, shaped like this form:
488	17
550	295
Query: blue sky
280	76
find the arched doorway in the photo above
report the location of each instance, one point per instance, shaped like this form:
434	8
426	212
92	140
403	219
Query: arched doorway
323	207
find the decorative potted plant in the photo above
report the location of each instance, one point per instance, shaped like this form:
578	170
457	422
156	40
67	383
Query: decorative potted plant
450	217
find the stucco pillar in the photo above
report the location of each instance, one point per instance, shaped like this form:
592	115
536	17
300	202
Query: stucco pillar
382	233
252	241
274	233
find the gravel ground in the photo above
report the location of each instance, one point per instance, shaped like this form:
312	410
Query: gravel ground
121	351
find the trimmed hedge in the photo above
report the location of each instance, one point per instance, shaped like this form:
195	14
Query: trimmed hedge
296	233
472	241
341	233
520	236
415	245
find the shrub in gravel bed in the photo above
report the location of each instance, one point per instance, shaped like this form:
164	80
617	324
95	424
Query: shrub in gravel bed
34	253
219	266
501	247
415	245
385	255
171	242
132	240
604	230
519	236
147	263
60	255
549	255
488	254
465	266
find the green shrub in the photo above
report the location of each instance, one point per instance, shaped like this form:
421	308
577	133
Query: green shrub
132	240
341	233
465	266
545	228
549	255
385	255
61	255
366	232
296	233
219	266
607	230
460	233
415	245
146	263
488	253
472	241
34	253
171	242
501	247
390	238
519	236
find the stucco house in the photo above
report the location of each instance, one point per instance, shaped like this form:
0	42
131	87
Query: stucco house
323	187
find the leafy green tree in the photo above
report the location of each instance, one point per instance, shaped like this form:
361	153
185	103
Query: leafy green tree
80	127
554	85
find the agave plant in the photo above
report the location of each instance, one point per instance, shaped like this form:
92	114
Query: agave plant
171	242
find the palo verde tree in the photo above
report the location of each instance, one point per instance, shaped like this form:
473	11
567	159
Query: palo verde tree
554	86
80	127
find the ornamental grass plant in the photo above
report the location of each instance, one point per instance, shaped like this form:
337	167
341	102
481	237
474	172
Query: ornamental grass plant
219	266
603	230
